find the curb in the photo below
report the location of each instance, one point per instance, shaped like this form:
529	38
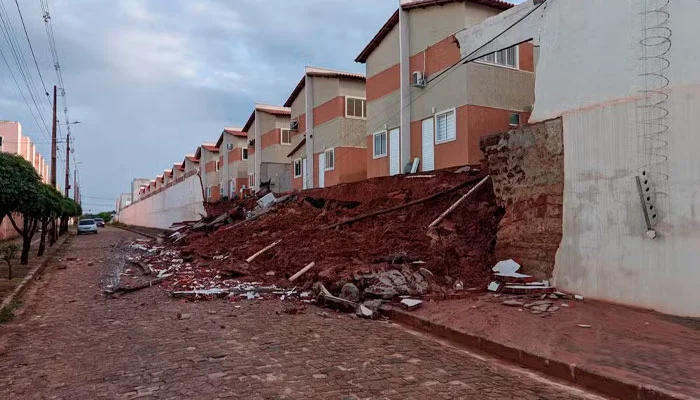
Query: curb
578	375
32	275
126	228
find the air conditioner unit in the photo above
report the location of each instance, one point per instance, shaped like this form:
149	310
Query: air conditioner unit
229	146
417	79
294	125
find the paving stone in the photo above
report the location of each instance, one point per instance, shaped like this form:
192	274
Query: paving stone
74	350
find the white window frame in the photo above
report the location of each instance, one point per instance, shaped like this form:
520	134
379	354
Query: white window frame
327	152
299	161
217	165
364	109
447	138
208	192
282	142
251	179
481	60
221	189
244	153
386	144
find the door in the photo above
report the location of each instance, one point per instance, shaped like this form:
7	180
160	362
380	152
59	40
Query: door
304	176
428	145
321	169
394	152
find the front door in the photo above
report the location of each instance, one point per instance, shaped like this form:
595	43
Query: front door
394	152
428	145
321	169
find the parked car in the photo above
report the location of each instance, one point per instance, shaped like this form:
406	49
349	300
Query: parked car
87	226
99	222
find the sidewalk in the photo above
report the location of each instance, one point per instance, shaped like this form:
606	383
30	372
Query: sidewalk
622	350
20	272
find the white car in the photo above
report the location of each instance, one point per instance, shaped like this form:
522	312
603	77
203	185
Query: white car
87	226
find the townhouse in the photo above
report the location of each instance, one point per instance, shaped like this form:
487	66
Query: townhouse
328	126
208	155
12	140
422	103
233	161
269	142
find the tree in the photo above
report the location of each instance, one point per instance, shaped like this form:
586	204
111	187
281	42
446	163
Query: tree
7	254
106	216
19	182
55	206
46	204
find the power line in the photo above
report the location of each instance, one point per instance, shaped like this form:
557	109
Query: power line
26	34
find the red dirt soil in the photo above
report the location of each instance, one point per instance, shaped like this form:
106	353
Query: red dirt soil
463	249
638	345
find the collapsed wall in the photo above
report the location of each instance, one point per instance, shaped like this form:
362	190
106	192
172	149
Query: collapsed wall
181	201
527	170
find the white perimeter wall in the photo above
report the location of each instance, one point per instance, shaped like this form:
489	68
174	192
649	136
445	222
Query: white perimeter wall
588	73
180	202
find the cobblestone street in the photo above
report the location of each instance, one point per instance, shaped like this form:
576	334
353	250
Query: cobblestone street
70	342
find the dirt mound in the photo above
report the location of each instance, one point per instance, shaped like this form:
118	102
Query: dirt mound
459	249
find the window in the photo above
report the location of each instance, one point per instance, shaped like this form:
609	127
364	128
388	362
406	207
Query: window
355	107
514	119
0	143
330	159
221	190
208	192
506	57
445	126
217	165
297	168
229	146
285	136
251	180
380	144
244	153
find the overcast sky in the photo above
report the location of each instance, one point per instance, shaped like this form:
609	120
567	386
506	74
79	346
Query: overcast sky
150	80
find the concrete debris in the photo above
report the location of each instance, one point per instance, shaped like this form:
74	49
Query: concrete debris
411	304
495	286
364	311
512	303
183	316
350	292
270	273
583	326
578	297
459	285
220	257
266	201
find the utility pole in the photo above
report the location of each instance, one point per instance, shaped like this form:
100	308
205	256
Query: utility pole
53	141
75	185
68	163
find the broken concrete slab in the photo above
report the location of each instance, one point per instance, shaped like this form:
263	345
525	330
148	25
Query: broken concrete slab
350	292
513	303
364	311
411	304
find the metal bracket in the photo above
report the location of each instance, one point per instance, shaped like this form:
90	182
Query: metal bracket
646	207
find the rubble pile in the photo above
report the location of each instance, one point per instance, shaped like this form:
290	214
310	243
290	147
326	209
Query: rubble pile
373	235
384	256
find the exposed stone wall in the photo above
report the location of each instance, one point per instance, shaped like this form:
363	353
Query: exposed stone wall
527	169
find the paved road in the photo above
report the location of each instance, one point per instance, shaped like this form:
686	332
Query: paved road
69	342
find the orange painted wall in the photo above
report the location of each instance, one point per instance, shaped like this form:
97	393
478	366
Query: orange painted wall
348	166
271	138
375	167
210	166
526	58
240	182
297	183
383	83
251	151
215	195
234	155
437	57
327	111
485	121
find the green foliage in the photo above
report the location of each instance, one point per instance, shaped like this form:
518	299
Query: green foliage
7	313
7	254
71	208
105	216
19	183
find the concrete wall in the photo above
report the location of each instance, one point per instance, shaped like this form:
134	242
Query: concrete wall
605	252
527	170
180	202
385	55
280	174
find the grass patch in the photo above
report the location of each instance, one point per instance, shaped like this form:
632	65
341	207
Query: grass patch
7	313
